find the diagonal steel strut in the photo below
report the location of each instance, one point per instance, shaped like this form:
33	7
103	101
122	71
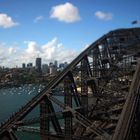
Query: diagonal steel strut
81	119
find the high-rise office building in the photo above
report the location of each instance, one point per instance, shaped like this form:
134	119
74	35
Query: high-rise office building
38	64
29	65
53	69
45	69
23	65
56	63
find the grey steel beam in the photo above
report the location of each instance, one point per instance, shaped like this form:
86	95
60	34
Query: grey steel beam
44	121
68	102
129	108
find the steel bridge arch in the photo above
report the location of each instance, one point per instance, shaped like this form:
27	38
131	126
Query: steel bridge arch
103	68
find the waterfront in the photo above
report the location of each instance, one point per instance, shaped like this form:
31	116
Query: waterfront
11	99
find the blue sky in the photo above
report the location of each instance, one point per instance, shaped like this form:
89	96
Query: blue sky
58	29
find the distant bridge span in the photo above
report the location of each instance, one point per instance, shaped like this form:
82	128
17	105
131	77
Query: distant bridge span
107	105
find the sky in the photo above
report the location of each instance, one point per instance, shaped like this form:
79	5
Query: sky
58	29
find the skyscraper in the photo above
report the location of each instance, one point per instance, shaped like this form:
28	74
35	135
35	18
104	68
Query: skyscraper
23	65
29	65
45	69
38	64
56	63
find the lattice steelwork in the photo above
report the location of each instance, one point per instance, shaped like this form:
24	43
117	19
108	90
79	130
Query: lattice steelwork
101	95
44	121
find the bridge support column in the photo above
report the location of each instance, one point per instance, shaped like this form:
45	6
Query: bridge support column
95	70
44	120
136	122
84	87
68	115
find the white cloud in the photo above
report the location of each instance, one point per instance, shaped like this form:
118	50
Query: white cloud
50	51
3	53
31	47
12	50
6	21
32	51
53	50
103	16
65	12
38	18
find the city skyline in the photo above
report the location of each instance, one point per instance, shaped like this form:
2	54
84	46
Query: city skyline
55	63
29	64
58	30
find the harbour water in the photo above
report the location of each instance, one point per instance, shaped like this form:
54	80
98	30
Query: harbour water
11	99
